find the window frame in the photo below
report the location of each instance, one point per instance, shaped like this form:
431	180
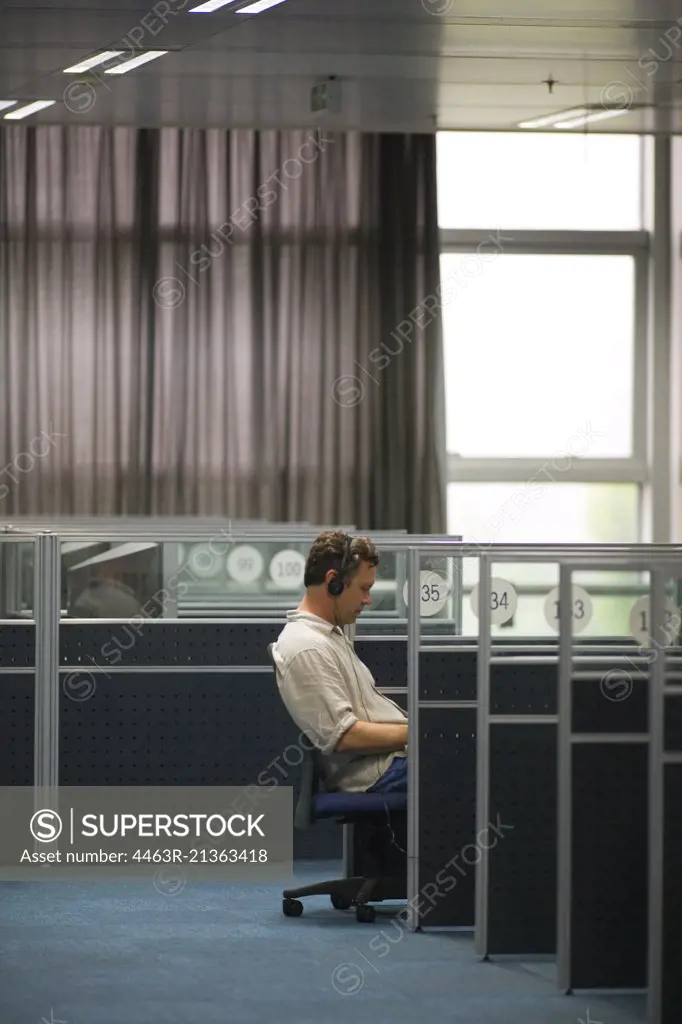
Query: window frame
637	244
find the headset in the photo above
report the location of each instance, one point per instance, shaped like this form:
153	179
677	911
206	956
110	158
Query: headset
335	587
337	584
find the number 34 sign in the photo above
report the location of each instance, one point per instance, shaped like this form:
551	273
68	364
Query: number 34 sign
503	601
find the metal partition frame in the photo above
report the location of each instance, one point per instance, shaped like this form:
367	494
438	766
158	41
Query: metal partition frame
550	555
660	568
486	555
638	557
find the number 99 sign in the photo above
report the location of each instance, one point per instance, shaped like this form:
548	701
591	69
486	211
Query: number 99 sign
503	601
581	612
433	593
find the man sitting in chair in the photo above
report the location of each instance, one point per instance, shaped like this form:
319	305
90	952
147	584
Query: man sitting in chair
361	736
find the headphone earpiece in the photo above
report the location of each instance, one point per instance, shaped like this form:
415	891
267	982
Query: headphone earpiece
336	585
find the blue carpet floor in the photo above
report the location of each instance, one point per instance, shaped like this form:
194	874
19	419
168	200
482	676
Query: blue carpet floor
107	953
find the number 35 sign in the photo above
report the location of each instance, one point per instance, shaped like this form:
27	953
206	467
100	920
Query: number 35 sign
433	593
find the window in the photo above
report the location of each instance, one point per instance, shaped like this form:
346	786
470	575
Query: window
539	181
543	335
544	290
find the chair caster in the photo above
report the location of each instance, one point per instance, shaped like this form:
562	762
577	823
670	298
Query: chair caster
292	908
364	913
341	903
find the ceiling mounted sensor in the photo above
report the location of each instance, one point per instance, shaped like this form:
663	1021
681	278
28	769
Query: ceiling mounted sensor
93	62
576	117
28	109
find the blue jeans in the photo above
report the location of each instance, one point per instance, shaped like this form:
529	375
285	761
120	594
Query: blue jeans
394	779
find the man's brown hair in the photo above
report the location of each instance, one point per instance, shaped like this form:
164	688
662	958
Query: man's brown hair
328	551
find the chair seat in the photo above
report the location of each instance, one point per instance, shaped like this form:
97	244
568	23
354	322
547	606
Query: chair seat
330	805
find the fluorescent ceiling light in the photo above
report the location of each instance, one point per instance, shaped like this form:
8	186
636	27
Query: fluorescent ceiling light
573	118
597	115
136	62
551	119
32	108
210	5
4	104
93	62
258	6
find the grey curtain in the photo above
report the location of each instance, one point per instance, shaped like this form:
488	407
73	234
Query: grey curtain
220	323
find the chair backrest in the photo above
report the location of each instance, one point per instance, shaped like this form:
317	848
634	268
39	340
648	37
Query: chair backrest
311	777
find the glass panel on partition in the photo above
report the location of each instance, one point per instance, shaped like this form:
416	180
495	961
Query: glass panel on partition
111	579
539	356
539	181
16	579
608	606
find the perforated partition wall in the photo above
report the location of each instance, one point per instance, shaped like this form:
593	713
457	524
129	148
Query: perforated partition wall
523	688
17	704
673	723
447	815
522	866
609	878
672	905
179	729
17	645
604	706
520	903
220	644
17	716
447	675
386	659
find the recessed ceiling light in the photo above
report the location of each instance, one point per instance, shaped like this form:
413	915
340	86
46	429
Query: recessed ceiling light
595	115
574	117
31	108
136	62
551	119
4	104
258	6
93	62
209	6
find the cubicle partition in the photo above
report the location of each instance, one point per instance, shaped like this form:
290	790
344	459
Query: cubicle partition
18	652
535	794
160	700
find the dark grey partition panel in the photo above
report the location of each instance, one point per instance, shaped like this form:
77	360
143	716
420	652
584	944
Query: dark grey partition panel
226	643
180	729
386	659
609	853
17	704
17	729
17	645
522	865
447	815
671	970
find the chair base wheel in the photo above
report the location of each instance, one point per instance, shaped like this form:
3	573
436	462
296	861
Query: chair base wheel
364	914
341	903
292	908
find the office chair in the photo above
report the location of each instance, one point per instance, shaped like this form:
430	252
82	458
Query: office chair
383	863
